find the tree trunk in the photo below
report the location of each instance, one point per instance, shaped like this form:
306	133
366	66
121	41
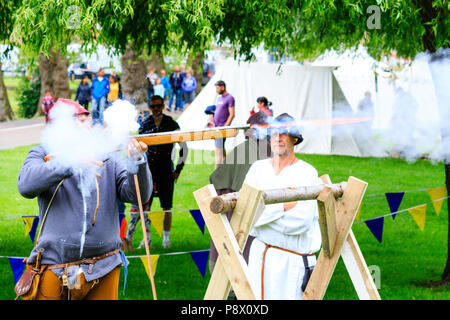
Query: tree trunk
196	61
6	112
440	74
156	60
134	70
53	73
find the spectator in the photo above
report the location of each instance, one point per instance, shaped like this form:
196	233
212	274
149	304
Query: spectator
150	78
188	85
100	90
83	95
115	89
165	82
164	176
158	88
47	104
223	116
175	80
262	105
229	176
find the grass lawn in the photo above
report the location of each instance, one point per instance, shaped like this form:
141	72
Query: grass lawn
407	258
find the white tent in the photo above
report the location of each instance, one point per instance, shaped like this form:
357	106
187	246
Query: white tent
304	92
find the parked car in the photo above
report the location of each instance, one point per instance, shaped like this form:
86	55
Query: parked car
78	70
209	69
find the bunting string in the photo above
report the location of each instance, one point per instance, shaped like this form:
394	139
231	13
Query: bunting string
14	216
400	211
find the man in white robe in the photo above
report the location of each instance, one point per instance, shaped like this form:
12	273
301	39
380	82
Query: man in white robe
287	234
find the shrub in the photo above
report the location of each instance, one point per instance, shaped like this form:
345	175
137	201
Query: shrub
29	93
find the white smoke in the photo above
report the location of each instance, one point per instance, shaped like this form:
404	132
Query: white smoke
77	146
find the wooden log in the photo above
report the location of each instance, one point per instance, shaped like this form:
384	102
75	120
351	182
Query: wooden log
228	201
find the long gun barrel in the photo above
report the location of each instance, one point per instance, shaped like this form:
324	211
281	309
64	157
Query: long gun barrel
189	135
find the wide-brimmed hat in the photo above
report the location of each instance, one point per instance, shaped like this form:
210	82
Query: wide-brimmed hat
284	123
78	109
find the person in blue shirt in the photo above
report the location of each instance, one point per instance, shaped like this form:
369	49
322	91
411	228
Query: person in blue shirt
165	82
100	90
189	85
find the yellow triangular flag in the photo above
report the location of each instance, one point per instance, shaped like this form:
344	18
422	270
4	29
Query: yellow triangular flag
358	214
154	261
157	219
437	193
419	214
28	224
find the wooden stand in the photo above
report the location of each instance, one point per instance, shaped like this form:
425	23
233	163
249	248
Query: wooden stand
335	217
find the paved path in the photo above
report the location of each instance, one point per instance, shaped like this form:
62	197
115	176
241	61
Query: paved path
20	132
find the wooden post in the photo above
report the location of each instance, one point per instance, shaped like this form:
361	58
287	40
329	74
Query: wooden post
345	246
247	207
326	204
227	247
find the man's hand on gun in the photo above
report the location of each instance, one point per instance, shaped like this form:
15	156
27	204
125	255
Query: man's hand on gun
136	148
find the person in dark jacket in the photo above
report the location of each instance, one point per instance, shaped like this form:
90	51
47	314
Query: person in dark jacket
161	166
176	79
83	95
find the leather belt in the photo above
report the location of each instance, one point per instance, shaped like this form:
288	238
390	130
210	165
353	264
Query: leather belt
90	261
264	261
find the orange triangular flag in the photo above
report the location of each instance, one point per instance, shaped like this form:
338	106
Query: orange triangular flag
435	194
358	214
419	214
157	219
154	261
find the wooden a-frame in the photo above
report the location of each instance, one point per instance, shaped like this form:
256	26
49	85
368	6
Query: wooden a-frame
336	218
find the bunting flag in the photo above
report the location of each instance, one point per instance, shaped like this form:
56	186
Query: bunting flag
394	199
154	261
419	215
31	223
200	258
197	215
157	219
123	225
376	227
437	193
17	267
358	214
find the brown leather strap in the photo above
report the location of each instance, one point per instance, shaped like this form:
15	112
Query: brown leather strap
264	262
84	261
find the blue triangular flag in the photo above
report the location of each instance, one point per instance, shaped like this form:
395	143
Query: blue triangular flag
200	258
32	232
17	267
376	227
121	216
394	199
197	215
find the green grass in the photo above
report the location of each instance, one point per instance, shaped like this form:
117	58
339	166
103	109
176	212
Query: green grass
408	258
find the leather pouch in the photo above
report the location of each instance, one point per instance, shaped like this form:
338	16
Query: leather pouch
28	284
